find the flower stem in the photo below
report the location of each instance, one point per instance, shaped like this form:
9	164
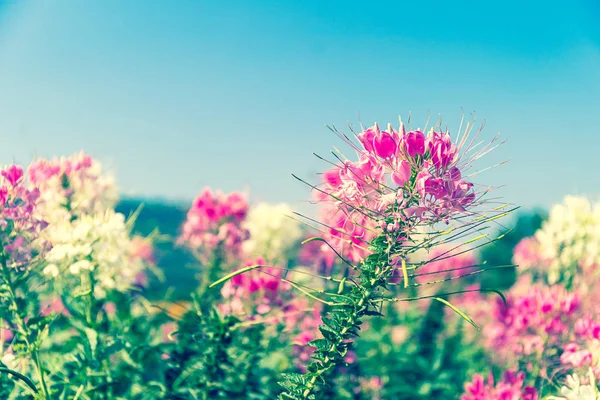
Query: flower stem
339	329
23	329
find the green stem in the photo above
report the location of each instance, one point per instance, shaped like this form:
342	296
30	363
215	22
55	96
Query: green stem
24	330
341	325
366	290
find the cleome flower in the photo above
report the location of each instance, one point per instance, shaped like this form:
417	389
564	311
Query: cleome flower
272	234
98	242
527	256
72	186
406	179
20	223
511	386
377	211
582	350
532	323
214	220
577	388
570	240
255	293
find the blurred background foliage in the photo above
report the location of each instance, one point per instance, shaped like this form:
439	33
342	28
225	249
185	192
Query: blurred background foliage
178	265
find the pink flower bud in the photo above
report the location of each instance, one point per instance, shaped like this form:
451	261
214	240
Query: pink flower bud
366	137
384	145
414	143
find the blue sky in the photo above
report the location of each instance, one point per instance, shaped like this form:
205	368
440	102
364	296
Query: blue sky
175	96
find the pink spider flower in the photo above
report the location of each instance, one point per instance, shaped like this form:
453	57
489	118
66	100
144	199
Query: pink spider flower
18	219
510	387
214	220
582	349
409	177
72	186
255	293
533	323
317	255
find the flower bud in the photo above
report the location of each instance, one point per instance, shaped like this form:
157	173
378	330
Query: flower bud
414	143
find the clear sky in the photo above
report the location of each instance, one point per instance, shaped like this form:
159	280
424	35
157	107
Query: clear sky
177	95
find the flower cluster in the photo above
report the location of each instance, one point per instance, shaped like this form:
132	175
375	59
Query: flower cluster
583	350
272	232
215	220
570	239
408	176
20	224
532	322
94	242
255	292
375	208
72	186
511	387
261	294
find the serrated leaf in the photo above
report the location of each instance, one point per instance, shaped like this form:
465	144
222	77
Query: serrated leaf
320	344
328	333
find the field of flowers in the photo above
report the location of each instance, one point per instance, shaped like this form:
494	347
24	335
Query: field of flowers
389	291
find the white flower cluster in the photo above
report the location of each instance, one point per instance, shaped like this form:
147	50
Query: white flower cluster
272	233
98	242
574	390
570	238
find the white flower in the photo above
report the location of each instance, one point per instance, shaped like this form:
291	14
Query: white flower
80	265
574	390
51	270
99	242
570	238
272	232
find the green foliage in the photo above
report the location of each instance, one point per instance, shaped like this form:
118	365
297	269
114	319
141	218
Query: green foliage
419	356
344	319
217	358
114	345
107	353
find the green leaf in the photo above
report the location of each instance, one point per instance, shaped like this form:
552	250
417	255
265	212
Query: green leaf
19	376
92	337
328	333
456	310
320	344
234	273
